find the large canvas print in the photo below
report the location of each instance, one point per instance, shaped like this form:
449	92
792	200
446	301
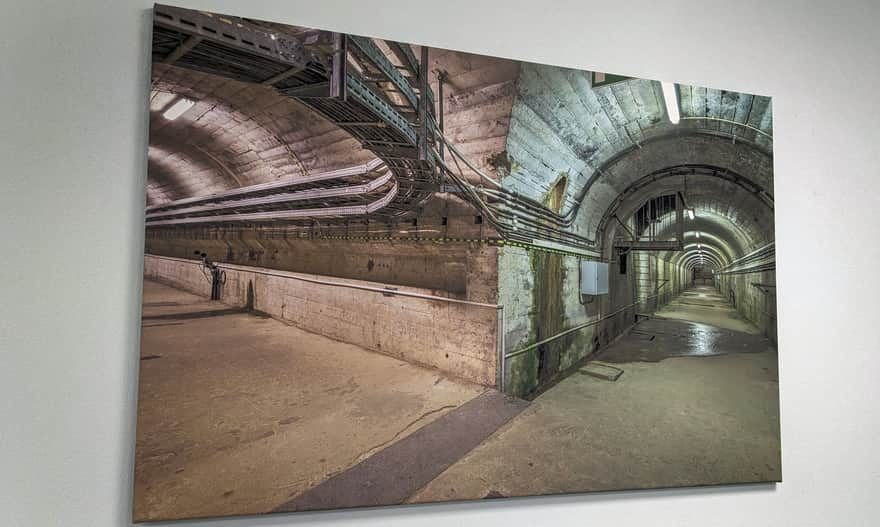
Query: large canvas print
379	273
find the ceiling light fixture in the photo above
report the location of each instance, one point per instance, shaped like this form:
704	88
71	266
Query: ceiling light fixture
690	213
698	235
177	109
671	98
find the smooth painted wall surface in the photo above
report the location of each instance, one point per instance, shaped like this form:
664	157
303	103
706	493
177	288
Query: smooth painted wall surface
74	80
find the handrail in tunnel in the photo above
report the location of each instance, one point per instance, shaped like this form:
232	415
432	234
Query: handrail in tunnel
579	327
500	337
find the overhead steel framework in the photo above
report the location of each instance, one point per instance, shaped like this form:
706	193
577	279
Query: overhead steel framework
388	107
349	80
346	79
352	191
655	216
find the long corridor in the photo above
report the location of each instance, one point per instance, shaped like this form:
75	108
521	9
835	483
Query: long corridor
704	304
697	401
241	412
435	275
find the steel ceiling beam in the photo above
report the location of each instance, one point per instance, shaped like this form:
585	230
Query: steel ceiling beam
231	32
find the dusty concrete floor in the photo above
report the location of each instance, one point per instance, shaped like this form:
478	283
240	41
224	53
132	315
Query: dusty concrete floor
707	417
693	303
239	413
243	414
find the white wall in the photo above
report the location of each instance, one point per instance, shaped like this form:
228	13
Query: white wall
73	86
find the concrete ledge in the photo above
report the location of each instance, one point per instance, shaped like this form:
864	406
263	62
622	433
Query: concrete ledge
454	337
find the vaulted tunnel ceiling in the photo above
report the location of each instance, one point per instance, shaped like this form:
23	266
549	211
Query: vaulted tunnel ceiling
240	134
731	221
237	134
526	124
612	142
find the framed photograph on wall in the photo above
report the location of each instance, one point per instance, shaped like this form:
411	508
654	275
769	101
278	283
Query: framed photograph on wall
381	273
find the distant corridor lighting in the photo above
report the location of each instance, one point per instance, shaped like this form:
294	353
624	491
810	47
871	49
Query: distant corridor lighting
671	99
177	109
698	235
690	213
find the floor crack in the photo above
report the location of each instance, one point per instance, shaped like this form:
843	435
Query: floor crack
373	449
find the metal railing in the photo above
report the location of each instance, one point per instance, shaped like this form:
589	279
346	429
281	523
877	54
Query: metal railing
385	291
579	327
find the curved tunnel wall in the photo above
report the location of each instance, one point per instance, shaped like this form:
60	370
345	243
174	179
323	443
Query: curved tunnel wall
530	126
603	141
236	134
241	134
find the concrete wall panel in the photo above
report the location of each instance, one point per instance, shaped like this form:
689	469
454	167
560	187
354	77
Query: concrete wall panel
457	339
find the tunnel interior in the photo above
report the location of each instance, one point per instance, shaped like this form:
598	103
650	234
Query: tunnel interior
407	231
532	170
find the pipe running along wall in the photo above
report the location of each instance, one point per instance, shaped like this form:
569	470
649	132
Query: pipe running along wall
723	170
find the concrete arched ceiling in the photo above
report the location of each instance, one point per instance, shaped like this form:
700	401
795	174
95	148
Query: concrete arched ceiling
478	96
605	139
240	134
723	208
530	124
236	134
720	240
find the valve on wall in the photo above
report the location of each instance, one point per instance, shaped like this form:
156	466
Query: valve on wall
217	276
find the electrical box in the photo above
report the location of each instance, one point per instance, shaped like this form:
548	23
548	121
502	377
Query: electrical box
594	277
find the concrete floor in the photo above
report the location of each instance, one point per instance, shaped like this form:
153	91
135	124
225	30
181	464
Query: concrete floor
691	408
239	413
242	414
692	305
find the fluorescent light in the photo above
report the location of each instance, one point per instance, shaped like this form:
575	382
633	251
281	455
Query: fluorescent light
690	214
671	99
699	246
177	109
698	235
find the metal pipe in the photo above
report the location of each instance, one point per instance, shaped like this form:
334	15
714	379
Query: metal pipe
761	259
278	199
499	340
295	276
357	170
182	49
423	105
351	210
728	121
576	328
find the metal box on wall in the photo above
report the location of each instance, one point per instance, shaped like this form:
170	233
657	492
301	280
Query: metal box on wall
594	277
